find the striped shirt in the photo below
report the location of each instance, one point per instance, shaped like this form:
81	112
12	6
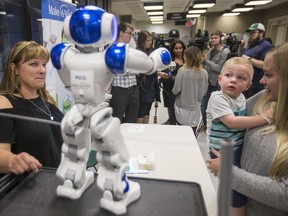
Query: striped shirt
220	105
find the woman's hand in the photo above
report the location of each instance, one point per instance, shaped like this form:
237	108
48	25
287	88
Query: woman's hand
214	164
163	75
23	162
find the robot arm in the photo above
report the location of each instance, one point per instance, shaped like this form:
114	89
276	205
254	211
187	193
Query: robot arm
120	58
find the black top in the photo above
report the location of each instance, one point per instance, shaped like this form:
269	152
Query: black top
41	140
148	88
167	85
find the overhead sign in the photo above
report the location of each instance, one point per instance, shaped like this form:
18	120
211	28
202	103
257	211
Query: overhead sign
176	16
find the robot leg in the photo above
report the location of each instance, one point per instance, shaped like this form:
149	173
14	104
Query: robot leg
111	201
75	153
112	156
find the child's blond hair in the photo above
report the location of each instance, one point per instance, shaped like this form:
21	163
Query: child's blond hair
240	61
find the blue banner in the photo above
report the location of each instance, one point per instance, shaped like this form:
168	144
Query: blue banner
56	10
53	14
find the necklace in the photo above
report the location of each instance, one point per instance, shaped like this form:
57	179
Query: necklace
47	113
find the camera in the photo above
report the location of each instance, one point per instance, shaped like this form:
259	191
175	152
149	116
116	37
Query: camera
233	43
200	40
161	42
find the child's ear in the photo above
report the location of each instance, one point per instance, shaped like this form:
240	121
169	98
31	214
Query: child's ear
219	79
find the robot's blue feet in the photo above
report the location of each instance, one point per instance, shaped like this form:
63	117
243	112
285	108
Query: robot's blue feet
68	190
120	207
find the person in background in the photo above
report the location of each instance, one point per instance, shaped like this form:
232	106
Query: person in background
226	118
255	52
124	90
264	162
190	85
28	145
4	51
167	79
269	40
213	62
149	90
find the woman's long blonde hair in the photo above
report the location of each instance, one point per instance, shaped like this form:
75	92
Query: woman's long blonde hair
22	52
279	166
193	58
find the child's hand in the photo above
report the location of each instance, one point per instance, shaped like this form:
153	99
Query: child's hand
268	115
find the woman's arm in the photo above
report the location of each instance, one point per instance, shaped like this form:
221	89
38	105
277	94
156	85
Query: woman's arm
261	188
16	163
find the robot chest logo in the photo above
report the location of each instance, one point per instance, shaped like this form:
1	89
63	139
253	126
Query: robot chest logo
80	77
81	82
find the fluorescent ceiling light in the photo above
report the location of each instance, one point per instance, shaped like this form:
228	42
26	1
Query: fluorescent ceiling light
241	8
157	22
192	15
2	12
154	13
204	3
197	11
256	2
156	17
153	6
230	14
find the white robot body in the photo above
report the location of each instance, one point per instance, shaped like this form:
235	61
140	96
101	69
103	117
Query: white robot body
89	124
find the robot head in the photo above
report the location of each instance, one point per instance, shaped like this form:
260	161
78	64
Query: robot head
90	26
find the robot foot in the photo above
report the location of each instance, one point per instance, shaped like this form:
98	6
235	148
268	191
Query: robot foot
120	207
67	189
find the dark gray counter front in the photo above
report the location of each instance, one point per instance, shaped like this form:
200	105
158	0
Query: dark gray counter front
36	195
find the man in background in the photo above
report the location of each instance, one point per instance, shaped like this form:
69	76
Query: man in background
213	61
256	49
124	90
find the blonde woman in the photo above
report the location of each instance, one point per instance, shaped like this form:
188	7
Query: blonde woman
28	145
264	162
190	86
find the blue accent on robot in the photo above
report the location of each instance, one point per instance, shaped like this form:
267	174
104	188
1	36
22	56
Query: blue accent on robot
56	54
166	57
115	58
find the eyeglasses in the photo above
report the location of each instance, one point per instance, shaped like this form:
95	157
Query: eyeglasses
252	32
129	33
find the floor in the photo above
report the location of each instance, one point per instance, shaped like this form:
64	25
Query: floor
161	116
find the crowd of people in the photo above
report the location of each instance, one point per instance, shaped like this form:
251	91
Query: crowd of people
242	99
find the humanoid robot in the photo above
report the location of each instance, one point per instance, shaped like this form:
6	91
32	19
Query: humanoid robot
88	72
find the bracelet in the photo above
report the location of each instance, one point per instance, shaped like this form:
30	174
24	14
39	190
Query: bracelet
268	120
